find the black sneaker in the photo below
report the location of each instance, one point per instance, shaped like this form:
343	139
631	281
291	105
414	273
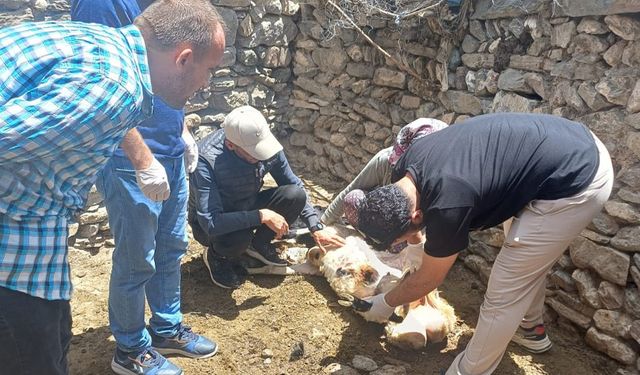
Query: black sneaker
533	340
146	362
267	254
224	272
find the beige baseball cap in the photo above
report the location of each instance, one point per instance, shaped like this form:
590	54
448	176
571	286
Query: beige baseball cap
247	128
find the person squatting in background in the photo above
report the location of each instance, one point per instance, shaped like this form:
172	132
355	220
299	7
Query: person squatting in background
230	214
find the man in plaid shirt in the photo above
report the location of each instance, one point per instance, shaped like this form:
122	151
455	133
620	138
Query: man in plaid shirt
69	92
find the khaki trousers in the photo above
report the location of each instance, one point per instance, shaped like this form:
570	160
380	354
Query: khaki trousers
534	239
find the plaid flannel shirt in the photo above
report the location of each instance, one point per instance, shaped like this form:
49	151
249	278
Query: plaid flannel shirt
69	92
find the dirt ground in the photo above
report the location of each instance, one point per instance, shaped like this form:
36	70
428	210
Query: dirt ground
276	313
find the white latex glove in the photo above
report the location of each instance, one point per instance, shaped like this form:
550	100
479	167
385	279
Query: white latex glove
380	310
190	152
153	181
413	254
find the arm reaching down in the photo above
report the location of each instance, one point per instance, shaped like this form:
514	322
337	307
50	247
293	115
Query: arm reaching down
413	287
418	284
150	174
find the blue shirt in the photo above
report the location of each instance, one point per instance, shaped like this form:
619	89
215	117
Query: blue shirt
163	131
69	92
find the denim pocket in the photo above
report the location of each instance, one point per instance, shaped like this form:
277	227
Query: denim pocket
122	165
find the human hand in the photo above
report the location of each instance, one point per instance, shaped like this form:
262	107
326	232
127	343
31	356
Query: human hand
153	181
324	238
274	221
416	238
379	312
190	152
412	260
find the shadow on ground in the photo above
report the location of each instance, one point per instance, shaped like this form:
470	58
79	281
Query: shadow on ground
277	314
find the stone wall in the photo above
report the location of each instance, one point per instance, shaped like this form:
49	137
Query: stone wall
16	11
336	101
256	66
577	59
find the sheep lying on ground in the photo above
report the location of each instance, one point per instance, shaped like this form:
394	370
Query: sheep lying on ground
355	270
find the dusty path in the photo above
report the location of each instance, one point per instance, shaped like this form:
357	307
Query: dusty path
275	313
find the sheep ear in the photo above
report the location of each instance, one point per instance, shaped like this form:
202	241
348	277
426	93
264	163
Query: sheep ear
370	275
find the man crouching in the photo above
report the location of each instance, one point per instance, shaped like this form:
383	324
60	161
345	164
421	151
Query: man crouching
226	203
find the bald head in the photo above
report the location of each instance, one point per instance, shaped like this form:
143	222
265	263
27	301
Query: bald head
185	42
167	24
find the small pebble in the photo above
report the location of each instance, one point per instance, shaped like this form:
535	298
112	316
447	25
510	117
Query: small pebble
267	353
297	351
361	362
315	333
338	369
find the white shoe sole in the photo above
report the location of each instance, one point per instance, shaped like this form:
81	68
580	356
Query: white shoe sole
118	369
535	347
254	254
206	263
165	351
115	367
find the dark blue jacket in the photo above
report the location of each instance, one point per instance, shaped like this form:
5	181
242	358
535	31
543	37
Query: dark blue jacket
224	188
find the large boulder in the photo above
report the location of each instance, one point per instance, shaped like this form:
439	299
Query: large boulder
390	78
580	8
270	31
333	60
610	264
514	80
628	28
614	347
15	17
230	19
461	102
512	102
614	323
493	9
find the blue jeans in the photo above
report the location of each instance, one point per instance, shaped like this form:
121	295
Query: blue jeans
34	334
150	240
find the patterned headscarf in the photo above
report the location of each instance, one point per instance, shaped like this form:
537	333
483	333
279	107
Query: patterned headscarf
409	133
351	202
412	131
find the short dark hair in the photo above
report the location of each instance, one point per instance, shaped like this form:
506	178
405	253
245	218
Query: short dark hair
384	215
172	22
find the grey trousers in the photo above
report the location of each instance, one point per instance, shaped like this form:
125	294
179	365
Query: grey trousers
534	239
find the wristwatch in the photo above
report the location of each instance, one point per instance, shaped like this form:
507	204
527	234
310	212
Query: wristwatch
316	227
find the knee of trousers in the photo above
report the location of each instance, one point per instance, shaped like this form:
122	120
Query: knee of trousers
129	271
174	242
231	245
294	196
198	233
